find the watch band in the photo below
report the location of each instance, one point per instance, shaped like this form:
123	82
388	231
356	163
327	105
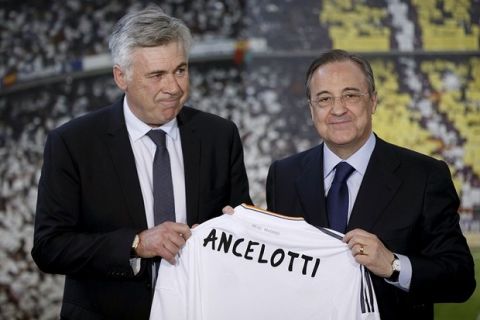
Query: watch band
395	269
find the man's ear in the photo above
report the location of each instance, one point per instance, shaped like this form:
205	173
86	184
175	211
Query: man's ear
120	77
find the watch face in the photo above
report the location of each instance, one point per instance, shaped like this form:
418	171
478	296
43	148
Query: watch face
136	240
396	265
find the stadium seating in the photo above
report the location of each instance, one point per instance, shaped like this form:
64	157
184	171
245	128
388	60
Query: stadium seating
430	103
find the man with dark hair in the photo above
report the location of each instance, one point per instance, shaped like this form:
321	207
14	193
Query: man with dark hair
397	208
121	186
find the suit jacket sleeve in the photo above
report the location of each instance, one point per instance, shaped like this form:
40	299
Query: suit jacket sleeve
443	270
238	178
62	242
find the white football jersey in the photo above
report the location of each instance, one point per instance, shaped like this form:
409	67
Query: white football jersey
259	265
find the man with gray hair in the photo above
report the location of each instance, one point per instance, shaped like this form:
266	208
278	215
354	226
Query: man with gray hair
120	187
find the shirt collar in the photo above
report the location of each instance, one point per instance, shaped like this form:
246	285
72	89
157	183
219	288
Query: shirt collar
359	160
137	128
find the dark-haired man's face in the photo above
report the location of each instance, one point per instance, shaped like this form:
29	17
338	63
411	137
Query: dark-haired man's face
344	127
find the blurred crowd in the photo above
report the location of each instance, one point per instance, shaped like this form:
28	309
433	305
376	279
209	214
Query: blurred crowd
41	38
264	96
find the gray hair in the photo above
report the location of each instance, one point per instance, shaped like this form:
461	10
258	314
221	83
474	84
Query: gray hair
337	55
149	27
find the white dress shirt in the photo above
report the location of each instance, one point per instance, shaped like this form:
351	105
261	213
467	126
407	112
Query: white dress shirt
144	151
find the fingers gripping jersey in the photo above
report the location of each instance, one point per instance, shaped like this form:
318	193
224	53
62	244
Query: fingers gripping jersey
258	265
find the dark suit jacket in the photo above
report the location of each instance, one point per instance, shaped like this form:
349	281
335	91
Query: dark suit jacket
90	205
408	201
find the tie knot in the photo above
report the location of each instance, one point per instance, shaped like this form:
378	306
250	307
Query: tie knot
343	171
158	137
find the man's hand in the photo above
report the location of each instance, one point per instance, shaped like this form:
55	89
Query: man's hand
164	240
228	210
225	210
369	251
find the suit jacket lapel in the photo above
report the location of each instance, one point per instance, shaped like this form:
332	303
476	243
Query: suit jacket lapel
123	161
191	148
310	188
377	189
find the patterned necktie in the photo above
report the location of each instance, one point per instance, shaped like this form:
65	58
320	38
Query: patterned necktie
163	203
337	198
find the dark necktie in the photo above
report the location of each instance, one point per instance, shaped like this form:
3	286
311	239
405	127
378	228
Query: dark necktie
337	198
163	203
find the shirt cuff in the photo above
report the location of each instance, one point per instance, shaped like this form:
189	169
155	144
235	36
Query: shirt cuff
136	264
405	275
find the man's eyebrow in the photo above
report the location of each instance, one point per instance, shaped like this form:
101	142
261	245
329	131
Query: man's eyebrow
343	90
155	72
350	89
160	72
322	92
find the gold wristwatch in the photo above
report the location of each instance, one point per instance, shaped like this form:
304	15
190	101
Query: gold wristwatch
136	242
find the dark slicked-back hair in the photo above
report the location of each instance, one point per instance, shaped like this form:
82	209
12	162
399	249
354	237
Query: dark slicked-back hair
337	55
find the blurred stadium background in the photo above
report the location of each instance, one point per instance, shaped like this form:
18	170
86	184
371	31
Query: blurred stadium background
248	64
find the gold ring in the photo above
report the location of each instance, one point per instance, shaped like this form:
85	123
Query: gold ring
362	250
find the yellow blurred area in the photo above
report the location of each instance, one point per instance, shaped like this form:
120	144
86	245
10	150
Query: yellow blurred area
473	239
459	102
456	94
443	120
393	120
355	26
450	29
444	25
